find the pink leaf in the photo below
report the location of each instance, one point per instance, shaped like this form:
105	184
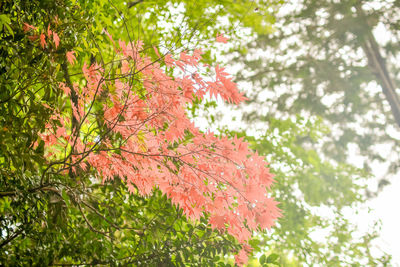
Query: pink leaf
42	40
49	32
65	88
28	27
221	39
71	57
56	39
241	258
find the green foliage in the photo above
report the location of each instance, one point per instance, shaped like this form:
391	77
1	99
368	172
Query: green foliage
104	224
53	218
269	261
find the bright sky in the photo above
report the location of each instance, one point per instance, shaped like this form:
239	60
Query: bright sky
380	209
385	208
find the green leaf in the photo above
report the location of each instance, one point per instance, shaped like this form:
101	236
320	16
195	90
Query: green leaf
273	258
262	259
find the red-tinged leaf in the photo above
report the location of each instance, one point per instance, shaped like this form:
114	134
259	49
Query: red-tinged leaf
49	32
61	132
56	39
33	37
221	39
169	61
75	111
71	57
156	51
125	67
65	89
241	258
217	221
254	192
42	40
28	27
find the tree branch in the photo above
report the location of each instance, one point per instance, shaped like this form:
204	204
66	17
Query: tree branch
378	65
11	238
134	3
32	190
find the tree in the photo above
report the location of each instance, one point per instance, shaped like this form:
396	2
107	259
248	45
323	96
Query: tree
334	67
311	87
74	143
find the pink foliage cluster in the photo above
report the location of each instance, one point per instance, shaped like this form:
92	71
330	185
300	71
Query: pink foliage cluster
151	143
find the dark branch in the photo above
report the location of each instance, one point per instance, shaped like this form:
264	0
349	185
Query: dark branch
134	3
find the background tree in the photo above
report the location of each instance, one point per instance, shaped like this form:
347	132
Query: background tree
330	59
315	85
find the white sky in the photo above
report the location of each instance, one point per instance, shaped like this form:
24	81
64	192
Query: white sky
385	208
